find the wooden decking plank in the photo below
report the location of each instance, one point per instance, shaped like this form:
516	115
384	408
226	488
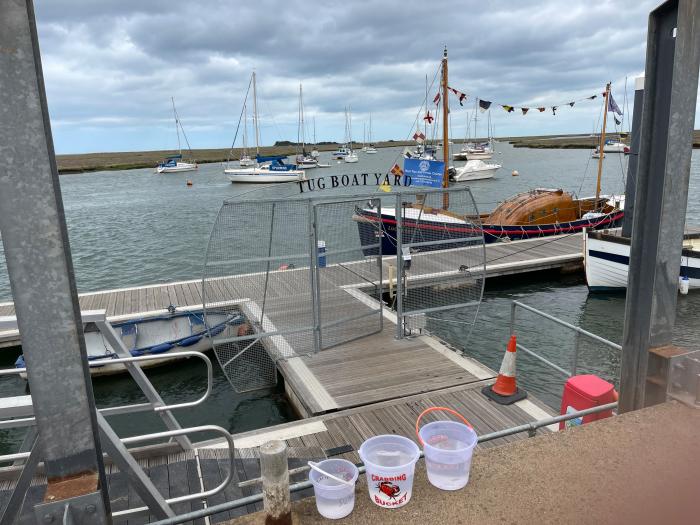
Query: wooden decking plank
211	477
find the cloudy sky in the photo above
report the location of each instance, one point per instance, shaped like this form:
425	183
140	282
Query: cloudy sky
111	66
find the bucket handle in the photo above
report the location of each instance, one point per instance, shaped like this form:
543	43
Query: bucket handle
439	409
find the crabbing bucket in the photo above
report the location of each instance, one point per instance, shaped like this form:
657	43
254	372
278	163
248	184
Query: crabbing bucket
334	500
448	448
390	461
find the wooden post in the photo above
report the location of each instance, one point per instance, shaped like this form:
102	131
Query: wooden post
601	146
275	479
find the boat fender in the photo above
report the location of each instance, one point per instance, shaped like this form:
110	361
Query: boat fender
189	341
136	353
20	362
216	330
161	348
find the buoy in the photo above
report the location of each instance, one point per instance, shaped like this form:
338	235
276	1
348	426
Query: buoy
505	390
189	182
515	173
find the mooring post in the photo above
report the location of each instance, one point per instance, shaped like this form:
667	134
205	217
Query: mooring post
275	480
40	268
670	91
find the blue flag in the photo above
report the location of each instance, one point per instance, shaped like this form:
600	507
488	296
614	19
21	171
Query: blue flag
612	105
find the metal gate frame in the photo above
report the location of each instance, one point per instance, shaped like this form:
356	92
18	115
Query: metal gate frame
401	313
376	203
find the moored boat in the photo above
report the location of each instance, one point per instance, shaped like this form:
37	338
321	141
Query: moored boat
267	170
172	332
175	163
474	170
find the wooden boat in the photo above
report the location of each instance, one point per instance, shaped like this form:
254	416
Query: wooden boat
607	259
536	213
172	332
175	163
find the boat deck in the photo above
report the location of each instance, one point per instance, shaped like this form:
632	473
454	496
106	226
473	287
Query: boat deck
506	258
332	435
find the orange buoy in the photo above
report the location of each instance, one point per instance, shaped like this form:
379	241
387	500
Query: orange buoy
515	173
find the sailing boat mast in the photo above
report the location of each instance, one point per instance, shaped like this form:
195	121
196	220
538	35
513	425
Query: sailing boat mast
601	146
445	127
256	124
177	126
245	129
301	132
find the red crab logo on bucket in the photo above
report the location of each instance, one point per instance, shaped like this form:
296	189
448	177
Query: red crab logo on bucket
389	493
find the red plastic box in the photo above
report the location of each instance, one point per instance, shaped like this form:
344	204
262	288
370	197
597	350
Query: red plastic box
582	392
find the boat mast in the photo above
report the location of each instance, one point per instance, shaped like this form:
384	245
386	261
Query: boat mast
177	126
245	130
349	117
445	131
425	122
255	118
601	146
314	130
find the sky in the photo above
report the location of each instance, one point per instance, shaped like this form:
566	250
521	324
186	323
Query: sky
112	66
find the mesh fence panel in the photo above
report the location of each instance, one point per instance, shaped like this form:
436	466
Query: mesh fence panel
259	258
442	245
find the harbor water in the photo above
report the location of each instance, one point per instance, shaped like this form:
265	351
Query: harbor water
130	228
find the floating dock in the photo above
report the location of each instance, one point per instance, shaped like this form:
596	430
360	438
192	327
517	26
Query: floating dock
502	259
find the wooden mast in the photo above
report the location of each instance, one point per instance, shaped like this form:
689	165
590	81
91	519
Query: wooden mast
445	131
601	146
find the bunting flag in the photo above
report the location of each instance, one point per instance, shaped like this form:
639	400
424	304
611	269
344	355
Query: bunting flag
418	136
592	97
509	109
554	110
396	170
524	110
436	100
541	110
428	118
572	104
461	96
484	105
612	105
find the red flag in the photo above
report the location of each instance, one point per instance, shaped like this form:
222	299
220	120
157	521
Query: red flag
436	99
418	136
396	170
428	118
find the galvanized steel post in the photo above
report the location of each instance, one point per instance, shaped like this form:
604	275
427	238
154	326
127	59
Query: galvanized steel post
633	162
399	265
670	91
40	268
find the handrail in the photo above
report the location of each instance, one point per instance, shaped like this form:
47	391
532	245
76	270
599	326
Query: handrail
302	485
172	433
111	411
579	332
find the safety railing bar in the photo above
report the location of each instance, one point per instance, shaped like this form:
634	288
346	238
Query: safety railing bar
284	257
457	240
440	308
230	505
350	250
173	433
546	361
261	335
568	325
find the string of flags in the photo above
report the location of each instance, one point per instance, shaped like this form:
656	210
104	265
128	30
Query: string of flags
510	108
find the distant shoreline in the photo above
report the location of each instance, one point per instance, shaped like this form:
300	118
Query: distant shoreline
89	162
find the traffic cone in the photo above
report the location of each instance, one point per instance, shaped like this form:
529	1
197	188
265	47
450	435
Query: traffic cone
505	390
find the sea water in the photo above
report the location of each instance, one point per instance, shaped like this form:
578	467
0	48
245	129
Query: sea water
335	508
449	472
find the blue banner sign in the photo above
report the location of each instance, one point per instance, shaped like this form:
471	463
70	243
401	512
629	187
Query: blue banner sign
424	173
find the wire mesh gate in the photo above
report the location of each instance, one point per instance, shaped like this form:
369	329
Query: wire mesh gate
293	268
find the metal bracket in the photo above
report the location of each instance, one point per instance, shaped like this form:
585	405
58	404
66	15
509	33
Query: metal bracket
87	509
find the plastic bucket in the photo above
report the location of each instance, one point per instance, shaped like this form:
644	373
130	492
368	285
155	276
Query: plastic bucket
448	448
334	500
390	462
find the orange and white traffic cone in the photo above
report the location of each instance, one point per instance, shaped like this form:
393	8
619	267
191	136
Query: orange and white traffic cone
505	390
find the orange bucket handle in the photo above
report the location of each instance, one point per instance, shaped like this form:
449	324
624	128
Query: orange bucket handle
439	409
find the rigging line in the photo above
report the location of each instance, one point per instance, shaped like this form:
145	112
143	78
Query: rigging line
589	157
235	136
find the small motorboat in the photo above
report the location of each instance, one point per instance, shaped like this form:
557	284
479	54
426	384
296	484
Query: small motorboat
351	157
306	162
475	170
172	332
371	149
340	153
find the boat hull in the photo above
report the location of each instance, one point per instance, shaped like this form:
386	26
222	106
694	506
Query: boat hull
259	176
606	260
479	156
433	228
179	168
476	175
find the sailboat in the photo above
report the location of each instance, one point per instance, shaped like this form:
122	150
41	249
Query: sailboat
536	213
370	149
364	138
351	156
303	160
314	152
174	163
267	169
245	159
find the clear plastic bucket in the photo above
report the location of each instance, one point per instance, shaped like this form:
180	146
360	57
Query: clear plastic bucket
334	500
448	448
390	462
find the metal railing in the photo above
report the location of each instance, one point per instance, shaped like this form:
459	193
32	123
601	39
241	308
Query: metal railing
126	409
530	428
578	333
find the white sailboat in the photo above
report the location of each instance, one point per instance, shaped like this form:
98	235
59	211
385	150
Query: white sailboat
270	169
245	160
303	160
351	156
174	163
370	149
314	152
